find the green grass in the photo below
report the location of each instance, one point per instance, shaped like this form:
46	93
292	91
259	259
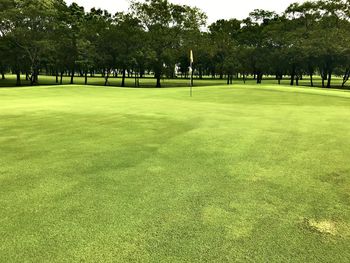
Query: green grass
234	174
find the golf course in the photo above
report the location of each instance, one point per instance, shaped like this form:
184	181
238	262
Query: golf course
174	131
237	173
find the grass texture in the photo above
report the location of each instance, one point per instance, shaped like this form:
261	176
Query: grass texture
234	174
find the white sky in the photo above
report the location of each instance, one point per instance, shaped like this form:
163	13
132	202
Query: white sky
215	9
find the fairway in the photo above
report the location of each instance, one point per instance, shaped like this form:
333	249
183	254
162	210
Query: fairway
234	174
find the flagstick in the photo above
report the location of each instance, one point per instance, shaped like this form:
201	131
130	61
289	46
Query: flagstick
191	72
191	84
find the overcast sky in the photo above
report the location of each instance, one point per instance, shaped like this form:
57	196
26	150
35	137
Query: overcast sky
215	9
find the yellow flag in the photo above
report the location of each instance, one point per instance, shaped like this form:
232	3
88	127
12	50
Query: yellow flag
191	57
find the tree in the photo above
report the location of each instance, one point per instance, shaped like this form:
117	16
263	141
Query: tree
28	26
224	34
165	24
130	43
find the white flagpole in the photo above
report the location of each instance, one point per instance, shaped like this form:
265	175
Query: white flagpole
191	73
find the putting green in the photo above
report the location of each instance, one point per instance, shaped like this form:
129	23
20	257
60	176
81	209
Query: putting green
240	173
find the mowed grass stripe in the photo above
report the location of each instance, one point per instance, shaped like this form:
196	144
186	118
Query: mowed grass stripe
232	174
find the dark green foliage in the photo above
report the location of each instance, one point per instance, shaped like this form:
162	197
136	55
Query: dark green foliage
49	37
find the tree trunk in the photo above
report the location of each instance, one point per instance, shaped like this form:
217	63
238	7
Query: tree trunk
329	78
259	78
86	77
159	85
56	77
123	77
137	82
311	80
106	77
324	77
34	77
18	79
2	75
158	75
72	76
292	76
61	78
346	77
279	77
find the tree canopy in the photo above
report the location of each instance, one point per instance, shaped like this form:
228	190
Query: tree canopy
155	36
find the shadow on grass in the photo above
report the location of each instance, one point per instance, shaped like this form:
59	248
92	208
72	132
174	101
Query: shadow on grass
149	82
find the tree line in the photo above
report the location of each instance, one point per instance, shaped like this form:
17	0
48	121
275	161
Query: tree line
155	37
